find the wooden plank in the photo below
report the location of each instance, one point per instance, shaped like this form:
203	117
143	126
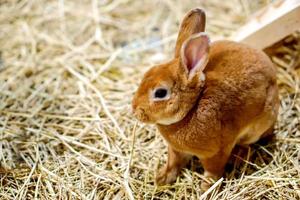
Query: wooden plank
271	24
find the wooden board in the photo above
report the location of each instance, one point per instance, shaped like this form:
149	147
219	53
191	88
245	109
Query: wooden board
271	24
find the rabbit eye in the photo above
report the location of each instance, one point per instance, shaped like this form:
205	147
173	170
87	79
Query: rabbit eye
161	94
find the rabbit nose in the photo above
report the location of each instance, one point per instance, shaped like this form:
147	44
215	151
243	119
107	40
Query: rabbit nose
133	110
134	105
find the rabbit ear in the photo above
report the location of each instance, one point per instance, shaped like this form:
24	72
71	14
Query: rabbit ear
194	54
193	22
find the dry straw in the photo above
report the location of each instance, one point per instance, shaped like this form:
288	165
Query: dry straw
68	70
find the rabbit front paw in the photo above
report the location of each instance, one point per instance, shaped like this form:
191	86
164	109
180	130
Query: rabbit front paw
209	179
166	175
205	185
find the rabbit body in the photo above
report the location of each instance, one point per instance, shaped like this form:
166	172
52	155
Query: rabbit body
209	98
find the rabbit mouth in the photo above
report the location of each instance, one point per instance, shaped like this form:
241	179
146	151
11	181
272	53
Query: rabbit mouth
142	116
170	120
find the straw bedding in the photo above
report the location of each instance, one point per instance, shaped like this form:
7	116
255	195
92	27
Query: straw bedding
68	70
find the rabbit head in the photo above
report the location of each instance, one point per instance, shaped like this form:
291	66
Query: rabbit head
168	91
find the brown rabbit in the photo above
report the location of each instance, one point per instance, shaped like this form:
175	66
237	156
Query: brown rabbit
209	98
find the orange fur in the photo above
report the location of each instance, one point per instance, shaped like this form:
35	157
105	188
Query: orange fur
236	104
